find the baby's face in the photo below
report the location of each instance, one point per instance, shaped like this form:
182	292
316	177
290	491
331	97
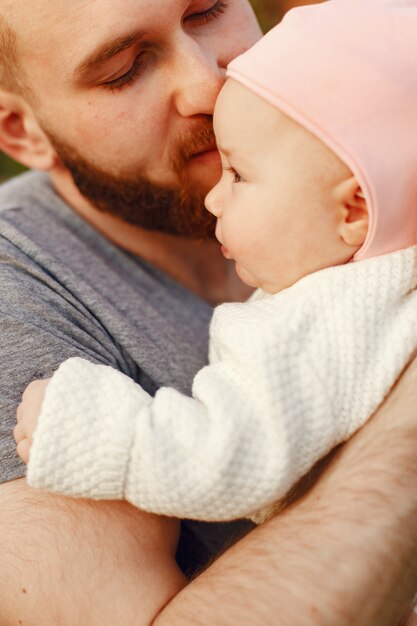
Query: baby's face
278	215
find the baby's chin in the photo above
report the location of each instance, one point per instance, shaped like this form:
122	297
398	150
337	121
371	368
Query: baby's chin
247	277
256	282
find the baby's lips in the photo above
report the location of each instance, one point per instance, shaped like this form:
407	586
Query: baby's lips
226	252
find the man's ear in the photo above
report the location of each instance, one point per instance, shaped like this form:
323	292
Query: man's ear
353	216
21	136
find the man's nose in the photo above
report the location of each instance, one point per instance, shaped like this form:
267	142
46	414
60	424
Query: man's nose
197	79
213	201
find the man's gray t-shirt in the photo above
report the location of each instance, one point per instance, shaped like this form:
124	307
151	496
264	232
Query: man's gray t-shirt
68	291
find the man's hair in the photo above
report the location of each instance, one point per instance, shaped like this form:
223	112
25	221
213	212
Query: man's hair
10	75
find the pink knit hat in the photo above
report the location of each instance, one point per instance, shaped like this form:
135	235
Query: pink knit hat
347	71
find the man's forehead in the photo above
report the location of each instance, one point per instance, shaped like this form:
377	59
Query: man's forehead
67	31
44	17
38	11
41	12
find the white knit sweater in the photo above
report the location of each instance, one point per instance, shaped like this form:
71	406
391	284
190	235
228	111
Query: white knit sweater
290	376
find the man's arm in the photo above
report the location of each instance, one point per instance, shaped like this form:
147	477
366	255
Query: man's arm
80	563
346	554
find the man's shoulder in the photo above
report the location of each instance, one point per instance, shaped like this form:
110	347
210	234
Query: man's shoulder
28	189
38	227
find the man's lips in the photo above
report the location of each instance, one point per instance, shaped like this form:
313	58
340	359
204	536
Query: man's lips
208	153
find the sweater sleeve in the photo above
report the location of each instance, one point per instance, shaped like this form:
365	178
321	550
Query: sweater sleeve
215	456
230	449
290	377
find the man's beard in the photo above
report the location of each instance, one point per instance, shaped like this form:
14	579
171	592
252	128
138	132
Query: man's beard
176	211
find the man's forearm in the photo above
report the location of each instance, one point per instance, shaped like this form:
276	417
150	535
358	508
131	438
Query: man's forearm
346	554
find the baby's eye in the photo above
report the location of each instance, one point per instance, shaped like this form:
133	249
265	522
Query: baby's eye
237	178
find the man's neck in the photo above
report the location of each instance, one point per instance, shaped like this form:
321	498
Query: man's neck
198	265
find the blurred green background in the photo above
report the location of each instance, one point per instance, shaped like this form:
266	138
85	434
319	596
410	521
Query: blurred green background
269	13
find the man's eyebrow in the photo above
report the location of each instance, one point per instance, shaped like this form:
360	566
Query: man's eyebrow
104	52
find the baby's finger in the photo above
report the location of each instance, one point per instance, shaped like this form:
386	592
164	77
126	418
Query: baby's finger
19	433
21	412
35	391
23	450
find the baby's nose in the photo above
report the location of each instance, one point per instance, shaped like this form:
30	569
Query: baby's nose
213	201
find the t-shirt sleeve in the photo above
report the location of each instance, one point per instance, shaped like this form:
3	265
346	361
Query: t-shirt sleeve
41	324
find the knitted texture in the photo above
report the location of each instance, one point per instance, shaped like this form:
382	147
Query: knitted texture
290	376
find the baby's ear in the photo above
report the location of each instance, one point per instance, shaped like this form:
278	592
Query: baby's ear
353	216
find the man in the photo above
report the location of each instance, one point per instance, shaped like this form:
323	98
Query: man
113	100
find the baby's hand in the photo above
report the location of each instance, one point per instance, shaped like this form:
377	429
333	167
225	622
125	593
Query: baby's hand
27	417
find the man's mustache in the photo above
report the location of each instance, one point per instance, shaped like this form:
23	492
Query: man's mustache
199	139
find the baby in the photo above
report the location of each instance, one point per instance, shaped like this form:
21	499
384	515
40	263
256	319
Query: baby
317	205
